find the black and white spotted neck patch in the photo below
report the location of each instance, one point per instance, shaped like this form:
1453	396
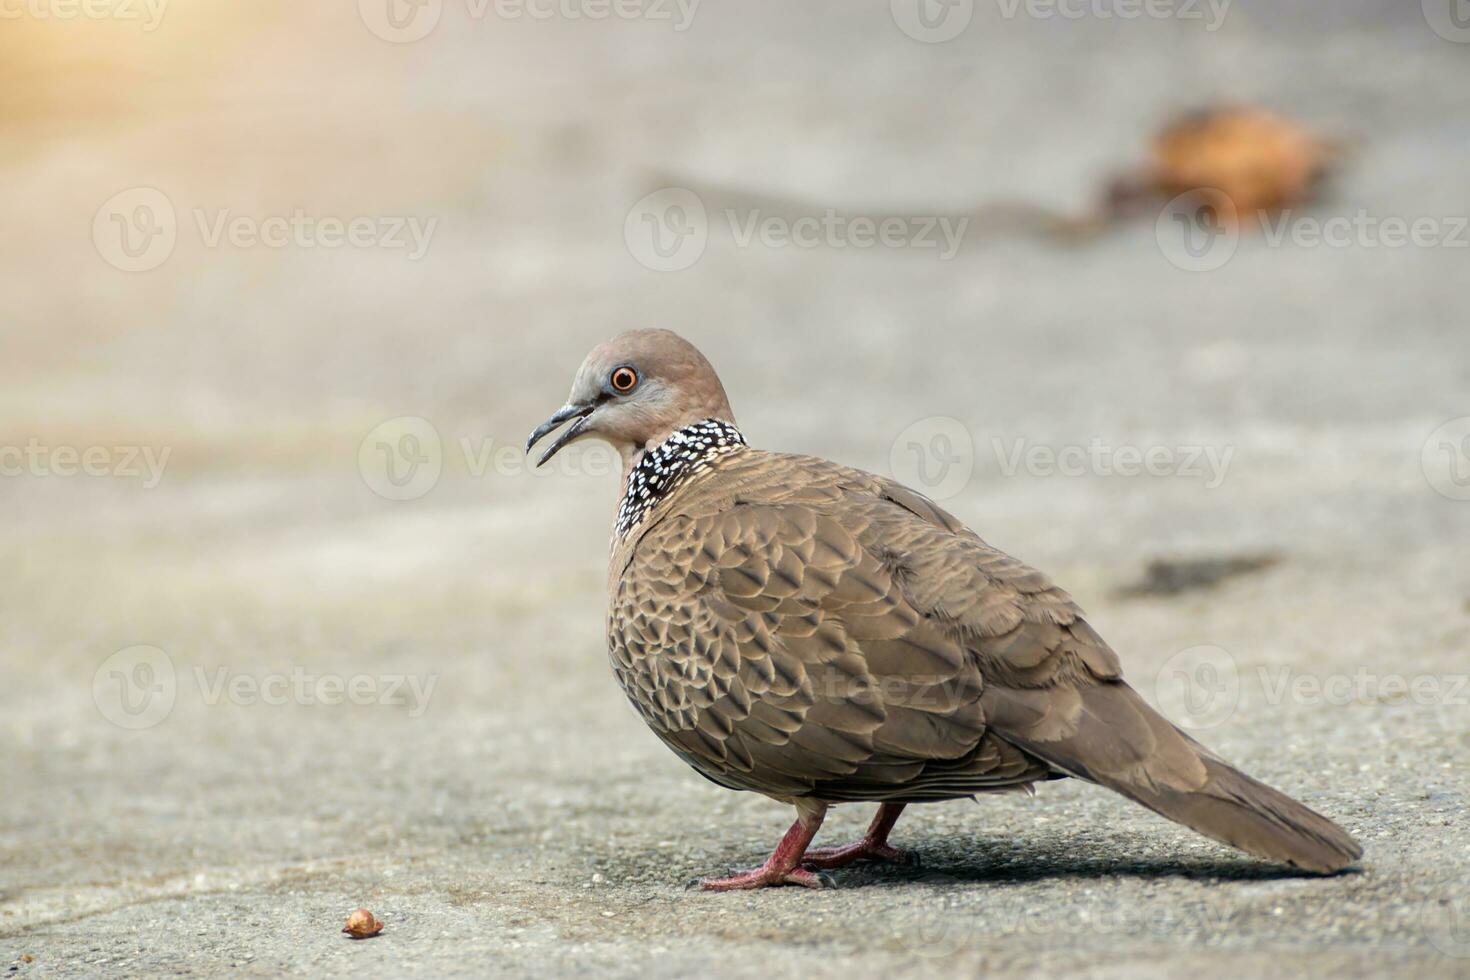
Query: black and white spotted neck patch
684	453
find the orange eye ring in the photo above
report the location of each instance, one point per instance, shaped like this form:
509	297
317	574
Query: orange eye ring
623	380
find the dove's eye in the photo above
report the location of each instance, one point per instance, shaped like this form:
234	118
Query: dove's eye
623	380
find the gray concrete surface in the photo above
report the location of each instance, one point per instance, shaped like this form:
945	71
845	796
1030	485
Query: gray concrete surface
509	815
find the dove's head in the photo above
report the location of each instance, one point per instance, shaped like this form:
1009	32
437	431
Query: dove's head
636	390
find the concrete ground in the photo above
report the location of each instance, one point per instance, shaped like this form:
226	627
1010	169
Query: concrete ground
248	691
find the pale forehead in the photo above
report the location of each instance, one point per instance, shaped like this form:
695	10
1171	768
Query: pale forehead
658	351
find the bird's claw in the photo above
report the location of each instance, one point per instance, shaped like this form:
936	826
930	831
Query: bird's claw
864	850
763	878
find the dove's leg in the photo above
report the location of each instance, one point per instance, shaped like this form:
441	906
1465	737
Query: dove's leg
783	867
873	847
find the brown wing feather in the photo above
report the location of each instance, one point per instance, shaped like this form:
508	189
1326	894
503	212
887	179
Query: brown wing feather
779	635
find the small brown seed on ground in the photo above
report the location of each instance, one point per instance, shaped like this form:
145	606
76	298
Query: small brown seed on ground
362	924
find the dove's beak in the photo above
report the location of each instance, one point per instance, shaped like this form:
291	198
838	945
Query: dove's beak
578	412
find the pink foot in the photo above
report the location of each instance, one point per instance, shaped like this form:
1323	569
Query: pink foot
873	847
764	877
866	849
783	867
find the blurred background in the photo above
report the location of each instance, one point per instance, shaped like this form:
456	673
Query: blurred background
286	285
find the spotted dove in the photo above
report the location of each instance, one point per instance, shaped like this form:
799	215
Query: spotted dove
821	635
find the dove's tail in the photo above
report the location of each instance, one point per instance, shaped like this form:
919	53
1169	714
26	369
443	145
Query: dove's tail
1116	740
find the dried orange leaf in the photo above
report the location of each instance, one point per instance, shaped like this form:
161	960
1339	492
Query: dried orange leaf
1259	160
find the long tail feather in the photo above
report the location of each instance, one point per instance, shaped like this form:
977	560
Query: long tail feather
1107	734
